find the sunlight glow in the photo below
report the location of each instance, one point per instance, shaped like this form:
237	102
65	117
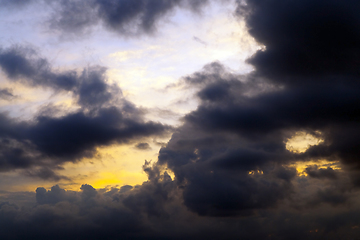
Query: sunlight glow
301	141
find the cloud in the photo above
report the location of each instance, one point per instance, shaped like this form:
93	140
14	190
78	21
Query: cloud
6	94
56	138
215	150
45	173
104	117
91	213
304	39
233	132
142	146
200	41
50	141
126	17
23	64
154	210
234	176
315	172
90	88
15	3
74	17
230	153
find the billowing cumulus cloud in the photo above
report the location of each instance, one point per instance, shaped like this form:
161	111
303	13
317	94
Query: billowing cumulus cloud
224	156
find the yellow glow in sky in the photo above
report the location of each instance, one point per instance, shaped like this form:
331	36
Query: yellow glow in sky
301	141
321	164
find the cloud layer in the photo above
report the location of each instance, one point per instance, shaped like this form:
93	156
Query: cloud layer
234	175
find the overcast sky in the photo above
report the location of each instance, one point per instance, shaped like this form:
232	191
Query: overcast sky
179	119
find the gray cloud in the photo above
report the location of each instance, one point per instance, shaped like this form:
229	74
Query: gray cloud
125	17
315	172
6	94
304	80
23	64
15	3
142	146
45	173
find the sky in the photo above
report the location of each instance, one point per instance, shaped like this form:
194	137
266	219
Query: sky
179	119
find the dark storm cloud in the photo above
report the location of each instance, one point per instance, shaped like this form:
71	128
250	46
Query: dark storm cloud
104	118
125	16
304	38
68	138
93	91
154	210
233	132
307	108
305	79
307	74
315	172
223	175
55	136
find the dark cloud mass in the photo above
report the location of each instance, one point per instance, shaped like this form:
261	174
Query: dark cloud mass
229	155
154	210
234	176
321	173
104	118
304	39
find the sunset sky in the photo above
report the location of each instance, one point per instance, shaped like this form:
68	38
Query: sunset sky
179	119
